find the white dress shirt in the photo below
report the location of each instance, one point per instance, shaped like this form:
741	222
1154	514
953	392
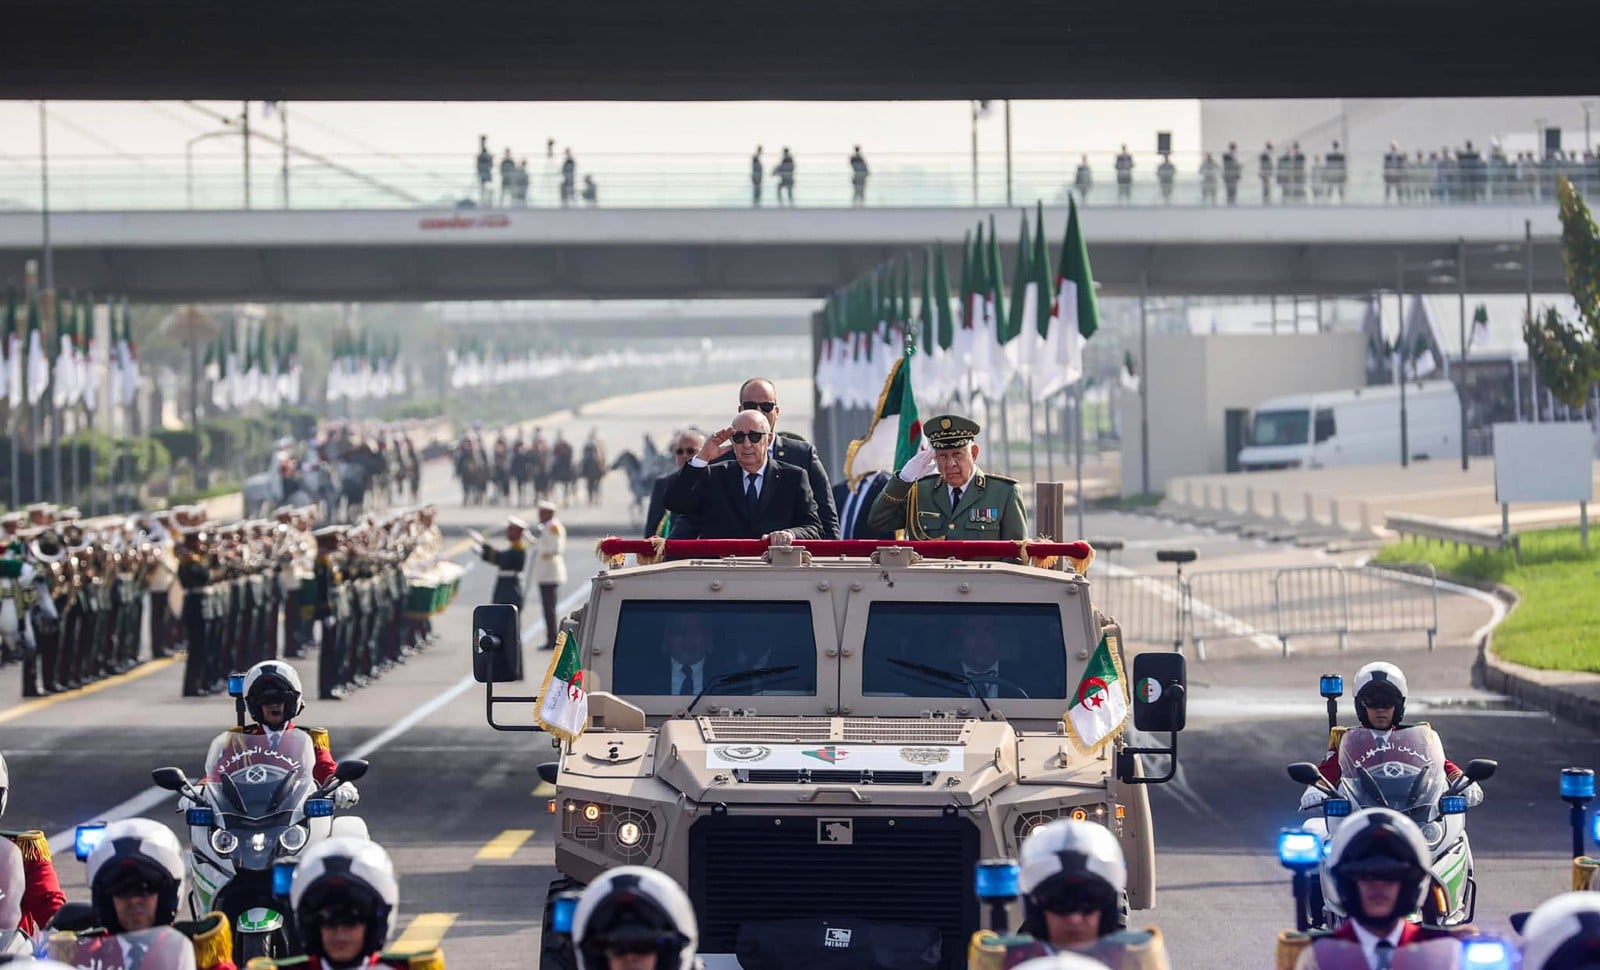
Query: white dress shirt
988	688
744	476
1369	941
697	673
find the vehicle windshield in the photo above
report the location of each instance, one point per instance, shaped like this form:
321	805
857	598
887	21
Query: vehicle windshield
12	885
1401	769
667	647
163	948
257	775
1003	649
1280	428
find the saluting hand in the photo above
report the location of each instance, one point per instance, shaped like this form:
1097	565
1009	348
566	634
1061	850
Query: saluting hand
716	446
918	466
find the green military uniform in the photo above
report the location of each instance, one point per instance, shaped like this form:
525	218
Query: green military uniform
990	507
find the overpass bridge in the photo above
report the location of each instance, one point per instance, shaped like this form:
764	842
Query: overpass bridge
708	253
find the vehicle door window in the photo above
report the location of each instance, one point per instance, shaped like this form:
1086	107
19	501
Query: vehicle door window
1325	427
1005	649
656	639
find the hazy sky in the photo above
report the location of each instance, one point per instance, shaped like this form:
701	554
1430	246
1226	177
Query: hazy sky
98	128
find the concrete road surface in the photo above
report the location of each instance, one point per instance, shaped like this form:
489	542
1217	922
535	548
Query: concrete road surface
457	806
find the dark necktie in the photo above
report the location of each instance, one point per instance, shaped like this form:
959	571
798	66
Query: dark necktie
955	498
1383	956
136	954
750	493
686	686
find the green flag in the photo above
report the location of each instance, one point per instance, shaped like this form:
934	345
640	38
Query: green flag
1011	326
941	296
1099	707
564	697
1040	265
895	432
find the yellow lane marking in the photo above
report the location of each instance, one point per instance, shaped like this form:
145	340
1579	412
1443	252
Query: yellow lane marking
40	703
504	845
424	933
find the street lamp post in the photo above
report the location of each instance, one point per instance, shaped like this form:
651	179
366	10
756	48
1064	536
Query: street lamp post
1461	372
1400	303
188	160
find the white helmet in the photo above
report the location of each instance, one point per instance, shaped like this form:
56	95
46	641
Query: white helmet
1563	933
1077	859
1061	961
1379	841
273	677
131	852
342	873
635	904
1380	677
5	784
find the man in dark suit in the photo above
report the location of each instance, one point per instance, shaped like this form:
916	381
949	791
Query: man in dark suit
752	496
684	446
855	506
758	394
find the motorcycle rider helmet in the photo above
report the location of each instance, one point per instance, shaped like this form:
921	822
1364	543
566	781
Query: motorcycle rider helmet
1061	961
635	909
1067	865
343	878
1379	843
272	679
135	852
1380	680
1563	933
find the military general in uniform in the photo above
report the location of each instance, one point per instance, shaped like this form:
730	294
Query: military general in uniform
941	493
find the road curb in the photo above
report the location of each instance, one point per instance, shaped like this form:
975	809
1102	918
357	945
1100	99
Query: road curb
1556	692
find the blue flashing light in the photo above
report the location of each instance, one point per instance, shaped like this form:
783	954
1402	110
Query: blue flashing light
282	878
87	838
1594	827
1453	805
1336	807
1331	685
236	685
562	909
1577	783
319	807
1299	849
998	880
199	816
1487	954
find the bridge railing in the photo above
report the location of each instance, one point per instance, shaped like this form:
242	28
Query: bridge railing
210	181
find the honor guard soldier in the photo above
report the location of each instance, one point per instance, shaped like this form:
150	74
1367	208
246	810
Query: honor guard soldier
941	493
328	606
194	575
41	895
510	562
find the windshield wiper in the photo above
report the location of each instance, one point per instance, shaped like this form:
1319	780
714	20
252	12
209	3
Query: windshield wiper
739	677
944	676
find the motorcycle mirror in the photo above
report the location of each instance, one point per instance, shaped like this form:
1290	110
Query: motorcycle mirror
172	779
351	769
77	917
548	772
1518	920
1307	773
1480	769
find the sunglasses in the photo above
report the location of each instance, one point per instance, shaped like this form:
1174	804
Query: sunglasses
684	451
1070	905
134	889
342	918
754	437
765	407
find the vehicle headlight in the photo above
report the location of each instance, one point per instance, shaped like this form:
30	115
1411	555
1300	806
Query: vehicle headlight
294	838
629	834
223	841
1433	832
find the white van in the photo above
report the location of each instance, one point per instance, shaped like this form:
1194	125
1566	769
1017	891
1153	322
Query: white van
1359	427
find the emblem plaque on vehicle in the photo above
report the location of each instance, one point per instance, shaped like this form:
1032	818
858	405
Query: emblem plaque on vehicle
744	752
835	831
837	937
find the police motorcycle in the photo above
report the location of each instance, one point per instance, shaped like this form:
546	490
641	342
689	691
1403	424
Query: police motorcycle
13	882
259	805
1401	769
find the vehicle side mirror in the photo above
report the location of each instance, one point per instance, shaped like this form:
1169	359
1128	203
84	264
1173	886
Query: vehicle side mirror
1480	769
351	769
548	772
1159	701
172	779
1307	773
496	644
73	918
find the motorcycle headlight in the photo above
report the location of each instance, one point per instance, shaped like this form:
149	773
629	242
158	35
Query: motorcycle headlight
223	841
294	838
1433	832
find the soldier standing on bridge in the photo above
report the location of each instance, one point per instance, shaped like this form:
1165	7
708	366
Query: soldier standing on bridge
757	172
508	178
785	173
485	171
858	178
1337	174
1264	169
1208	180
1083	179
1124	176
1232	171
569	179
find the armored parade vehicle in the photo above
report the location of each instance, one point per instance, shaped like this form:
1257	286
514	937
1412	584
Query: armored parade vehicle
831	735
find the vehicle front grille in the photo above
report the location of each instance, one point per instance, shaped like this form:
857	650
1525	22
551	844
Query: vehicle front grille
911	871
885	730
773	729
855	730
793	776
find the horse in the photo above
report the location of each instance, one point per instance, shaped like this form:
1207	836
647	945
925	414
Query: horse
641	480
562	471
593	469
474	474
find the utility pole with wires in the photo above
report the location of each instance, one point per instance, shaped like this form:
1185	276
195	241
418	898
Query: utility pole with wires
244	119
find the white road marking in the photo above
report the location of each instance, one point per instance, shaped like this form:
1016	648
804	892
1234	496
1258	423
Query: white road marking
153	796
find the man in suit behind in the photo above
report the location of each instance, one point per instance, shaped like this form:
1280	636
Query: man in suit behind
753	496
855	507
684	445
759	394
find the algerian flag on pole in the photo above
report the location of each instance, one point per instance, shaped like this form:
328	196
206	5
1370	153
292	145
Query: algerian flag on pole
563	699
880	450
1480	328
1099	707
1077	310
38	361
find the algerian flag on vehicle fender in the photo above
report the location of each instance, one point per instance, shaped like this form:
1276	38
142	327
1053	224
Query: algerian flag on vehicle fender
1099	707
564	700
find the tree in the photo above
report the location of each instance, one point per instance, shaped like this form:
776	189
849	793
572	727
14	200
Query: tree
1566	353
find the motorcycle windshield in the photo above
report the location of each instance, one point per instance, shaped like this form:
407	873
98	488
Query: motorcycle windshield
257	775
1401	769
160	948
12	885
